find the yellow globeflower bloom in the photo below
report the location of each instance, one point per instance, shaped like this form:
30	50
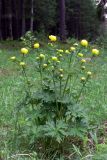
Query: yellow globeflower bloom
83	61
67	51
82	67
54	59
52	38
89	73
84	43
24	51
95	52
83	79
61	75
13	58
42	56
22	64
36	45
72	48
60	50
75	44
80	55
61	70
45	65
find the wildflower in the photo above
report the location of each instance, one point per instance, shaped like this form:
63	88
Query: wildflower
45	65
61	70
84	43
75	44
67	51
36	45
60	50
82	67
54	59
89	73
60	55
72	48
24	51
61	75
13	58
80	55
52	38
22	64
83	79
37	58
83	61
95	52
42	56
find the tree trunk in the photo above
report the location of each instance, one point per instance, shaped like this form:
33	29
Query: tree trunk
23	18
32	15
0	20
62	22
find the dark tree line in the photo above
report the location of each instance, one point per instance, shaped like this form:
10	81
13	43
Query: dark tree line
70	17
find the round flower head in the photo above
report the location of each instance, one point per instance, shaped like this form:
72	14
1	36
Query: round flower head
13	58
24	51
80	55
52	38
42	56
36	45
89	73
82	67
95	52
61	70
83	79
67	51
54	59
45	65
22	64
84	43
72	48
83	61
60	50
75	44
61	75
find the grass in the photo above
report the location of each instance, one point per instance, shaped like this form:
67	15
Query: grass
11	86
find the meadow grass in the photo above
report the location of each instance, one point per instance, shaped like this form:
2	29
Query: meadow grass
11	90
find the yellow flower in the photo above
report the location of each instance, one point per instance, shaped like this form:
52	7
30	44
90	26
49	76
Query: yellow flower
84	43
37	58
24	51
83	79
42	56
60	50
89	73
60	55
72	48
45	65
83	61
54	59
75	44
22	64
80	55
95	52
36	45
67	51
61	70
82	67
52	38
13	58
61	75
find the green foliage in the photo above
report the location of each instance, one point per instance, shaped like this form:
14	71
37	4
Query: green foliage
29	39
